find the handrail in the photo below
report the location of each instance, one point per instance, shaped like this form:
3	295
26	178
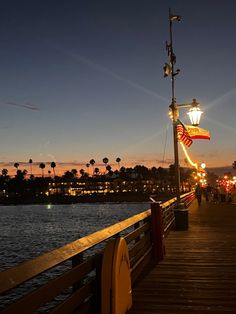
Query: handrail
141	244
27	270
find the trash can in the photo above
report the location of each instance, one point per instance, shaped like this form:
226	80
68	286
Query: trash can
181	217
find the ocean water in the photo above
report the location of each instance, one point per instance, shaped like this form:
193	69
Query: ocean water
31	230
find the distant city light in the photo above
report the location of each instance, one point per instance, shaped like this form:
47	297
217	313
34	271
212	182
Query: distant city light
203	165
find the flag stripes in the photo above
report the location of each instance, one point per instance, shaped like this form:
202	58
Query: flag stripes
183	135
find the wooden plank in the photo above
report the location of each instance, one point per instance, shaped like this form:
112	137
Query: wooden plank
86	307
44	294
74	301
140	267
198	272
138	259
137	232
145	241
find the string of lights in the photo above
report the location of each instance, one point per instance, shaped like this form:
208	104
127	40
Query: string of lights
193	164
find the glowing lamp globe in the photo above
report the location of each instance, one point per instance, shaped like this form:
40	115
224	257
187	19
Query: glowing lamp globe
203	165
194	115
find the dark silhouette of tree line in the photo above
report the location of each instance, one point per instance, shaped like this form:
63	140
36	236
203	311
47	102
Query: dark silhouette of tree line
27	185
95	170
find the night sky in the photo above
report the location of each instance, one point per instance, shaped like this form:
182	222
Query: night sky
84	79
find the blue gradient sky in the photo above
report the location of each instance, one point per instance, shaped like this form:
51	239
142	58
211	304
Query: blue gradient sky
84	79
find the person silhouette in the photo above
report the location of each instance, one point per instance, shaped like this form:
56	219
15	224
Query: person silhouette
198	193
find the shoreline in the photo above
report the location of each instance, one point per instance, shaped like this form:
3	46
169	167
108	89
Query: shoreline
94	198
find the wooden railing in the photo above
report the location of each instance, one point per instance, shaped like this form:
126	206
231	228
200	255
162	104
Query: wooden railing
67	280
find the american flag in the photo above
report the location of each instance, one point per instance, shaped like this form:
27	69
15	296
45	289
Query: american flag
183	134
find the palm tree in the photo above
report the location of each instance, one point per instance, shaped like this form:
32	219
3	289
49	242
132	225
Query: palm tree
87	165
96	171
109	171
16	165
82	172
92	162
5	180
30	162
108	168
53	165
42	166
105	161
19	176
74	172
24	172
234	165
4	172
118	160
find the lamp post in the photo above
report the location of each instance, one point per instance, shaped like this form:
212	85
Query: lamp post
194	110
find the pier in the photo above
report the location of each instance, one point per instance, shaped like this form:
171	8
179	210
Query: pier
197	274
161	269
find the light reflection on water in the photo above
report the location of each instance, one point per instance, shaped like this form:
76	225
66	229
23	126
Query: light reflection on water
31	230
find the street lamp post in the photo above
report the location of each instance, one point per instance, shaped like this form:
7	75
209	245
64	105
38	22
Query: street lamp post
173	105
194	112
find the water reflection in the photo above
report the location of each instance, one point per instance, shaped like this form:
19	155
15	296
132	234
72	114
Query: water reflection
31	230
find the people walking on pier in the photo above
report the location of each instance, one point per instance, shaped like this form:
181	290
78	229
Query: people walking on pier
233	194
208	193
216	195
198	193
222	194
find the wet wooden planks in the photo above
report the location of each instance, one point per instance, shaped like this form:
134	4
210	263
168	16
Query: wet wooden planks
198	274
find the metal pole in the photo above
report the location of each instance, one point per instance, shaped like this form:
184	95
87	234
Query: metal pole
175	114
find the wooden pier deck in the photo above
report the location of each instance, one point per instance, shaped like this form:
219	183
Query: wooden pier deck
198	273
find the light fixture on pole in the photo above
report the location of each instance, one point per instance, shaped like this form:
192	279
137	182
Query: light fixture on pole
195	113
194	110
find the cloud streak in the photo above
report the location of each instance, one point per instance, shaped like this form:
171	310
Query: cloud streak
26	105
98	67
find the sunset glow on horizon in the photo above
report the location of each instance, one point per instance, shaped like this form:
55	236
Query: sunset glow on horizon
82	80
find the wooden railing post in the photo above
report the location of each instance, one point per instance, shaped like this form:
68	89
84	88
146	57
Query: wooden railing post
157	232
136	225
76	260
